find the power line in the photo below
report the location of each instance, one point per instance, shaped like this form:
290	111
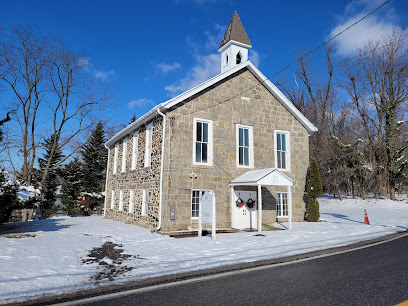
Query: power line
296	61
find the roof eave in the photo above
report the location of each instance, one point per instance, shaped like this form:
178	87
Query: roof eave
235	43
127	130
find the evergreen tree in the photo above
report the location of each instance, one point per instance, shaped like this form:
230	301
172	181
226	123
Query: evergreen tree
314	189
95	156
71	187
51	183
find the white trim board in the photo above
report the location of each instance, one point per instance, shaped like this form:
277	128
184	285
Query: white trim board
195	90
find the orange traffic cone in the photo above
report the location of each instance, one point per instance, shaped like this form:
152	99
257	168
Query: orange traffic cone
366	218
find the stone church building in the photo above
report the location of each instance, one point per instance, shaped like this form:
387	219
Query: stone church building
235	135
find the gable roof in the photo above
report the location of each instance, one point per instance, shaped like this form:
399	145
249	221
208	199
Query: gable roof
195	90
235	31
263	177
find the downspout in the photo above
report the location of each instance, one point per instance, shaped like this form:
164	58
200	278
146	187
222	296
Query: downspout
161	168
106	184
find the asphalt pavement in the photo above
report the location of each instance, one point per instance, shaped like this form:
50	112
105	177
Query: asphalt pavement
373	275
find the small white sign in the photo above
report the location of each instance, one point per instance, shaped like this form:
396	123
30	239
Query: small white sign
206	208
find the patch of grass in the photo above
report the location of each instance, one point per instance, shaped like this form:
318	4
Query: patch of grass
17	235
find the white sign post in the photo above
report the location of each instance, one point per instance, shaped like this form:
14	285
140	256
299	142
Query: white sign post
207	212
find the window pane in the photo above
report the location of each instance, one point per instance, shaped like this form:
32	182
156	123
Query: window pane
199	131
246	134
205	132
278	141
198	152
278	155
241	140
283	166
283	142
246	156
241	155
204	158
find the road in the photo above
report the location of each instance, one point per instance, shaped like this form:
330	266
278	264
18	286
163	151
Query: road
375	275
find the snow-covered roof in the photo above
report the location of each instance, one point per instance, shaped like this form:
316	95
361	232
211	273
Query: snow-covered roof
187	94
263	177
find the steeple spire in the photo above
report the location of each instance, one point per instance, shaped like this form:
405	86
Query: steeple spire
235	44
235	31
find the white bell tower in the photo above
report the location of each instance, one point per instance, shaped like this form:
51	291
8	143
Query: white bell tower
235	45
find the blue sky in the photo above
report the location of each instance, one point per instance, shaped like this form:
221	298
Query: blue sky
152	51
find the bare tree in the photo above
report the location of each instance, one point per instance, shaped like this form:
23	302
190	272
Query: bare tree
377	83
23	59
315	93
76	98
54	91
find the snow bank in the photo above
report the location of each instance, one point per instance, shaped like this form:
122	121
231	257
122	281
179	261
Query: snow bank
52	261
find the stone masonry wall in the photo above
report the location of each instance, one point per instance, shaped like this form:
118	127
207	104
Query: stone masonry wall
259	109
138	179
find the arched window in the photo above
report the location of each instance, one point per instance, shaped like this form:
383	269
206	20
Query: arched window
239	58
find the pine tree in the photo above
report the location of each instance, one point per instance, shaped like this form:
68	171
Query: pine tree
51	183
71	185
95	156
314	189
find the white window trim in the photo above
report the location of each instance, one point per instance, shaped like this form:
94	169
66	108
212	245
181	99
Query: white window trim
135	150
145	201
191	202
251	145
113	200
275	149
124	154
287	203
210	142
121	200
115	159
132	201
148	145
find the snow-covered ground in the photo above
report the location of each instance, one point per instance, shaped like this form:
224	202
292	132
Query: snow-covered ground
52	261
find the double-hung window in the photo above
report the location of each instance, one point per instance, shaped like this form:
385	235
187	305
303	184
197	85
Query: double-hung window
132	201
195	203
202	149
121	200
282	205
282	151
113	199
145	201
148	148
124	153
115	159
135	150
244	146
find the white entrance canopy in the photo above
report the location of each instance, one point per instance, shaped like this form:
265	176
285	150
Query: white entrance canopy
265	177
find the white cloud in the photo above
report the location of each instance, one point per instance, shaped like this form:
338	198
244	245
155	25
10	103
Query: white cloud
167	68
140	103
104	75
85	62
206	67
214	39
254	57
374	27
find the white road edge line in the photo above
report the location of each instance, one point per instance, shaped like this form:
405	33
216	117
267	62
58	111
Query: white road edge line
213	276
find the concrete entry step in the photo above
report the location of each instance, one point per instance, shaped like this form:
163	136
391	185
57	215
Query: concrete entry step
194	232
